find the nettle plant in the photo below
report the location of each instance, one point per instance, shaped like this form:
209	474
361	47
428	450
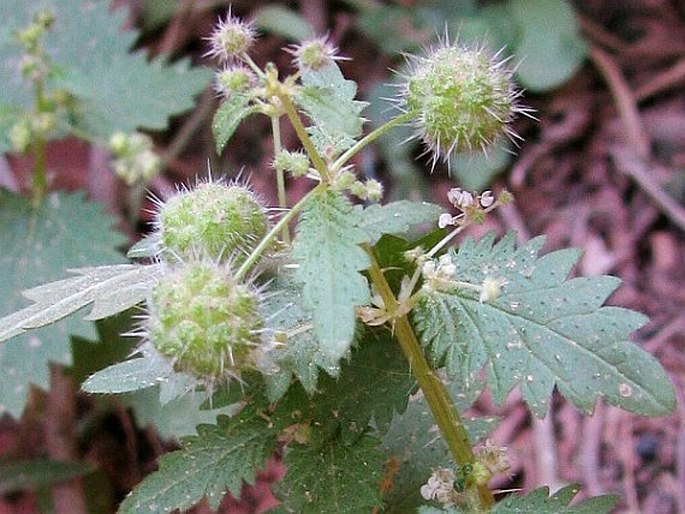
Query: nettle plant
342	334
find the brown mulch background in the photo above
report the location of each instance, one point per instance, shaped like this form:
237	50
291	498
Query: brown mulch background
603	170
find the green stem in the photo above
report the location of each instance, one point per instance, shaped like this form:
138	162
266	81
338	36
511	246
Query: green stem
301	131
445	414
39	149
280	177
266	241
369	138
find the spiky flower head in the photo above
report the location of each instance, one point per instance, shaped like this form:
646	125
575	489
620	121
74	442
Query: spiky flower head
222	221
314	54
234	78
206	322
231	38
463	98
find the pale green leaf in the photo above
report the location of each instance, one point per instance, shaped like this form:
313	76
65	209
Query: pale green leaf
39	243
111	289
219	459
539	502
34	474
395	218
114	89
541	331
332	476
283	21
549	45
328	99
146	248
326	245
228	117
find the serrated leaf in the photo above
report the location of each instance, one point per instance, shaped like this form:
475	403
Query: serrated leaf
541	331
395	218
549	43
415	444
39	244
33	474
301	355
329	475
114	89
220	458
539	502
230	114
326	245
328	99
111	289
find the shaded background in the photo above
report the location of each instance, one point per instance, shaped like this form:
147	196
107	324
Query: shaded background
603	169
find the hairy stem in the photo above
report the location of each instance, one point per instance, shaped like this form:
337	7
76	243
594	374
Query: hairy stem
278	227
441	405
280	178
370	138
299	127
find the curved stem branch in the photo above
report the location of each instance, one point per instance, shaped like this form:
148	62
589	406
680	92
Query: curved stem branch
368	139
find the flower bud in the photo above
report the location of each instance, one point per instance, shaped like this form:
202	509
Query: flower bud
314	54
205	321
223	222
231	38
233	79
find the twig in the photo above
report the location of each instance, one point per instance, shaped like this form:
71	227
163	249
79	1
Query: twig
60	439
639	172
667	79
625	101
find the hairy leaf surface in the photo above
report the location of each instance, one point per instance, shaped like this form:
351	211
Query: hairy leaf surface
539	502
228	117
328	99
332	476
542	331
330	259
220	458
38	245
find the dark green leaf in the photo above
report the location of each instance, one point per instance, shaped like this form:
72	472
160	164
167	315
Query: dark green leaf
227	118
539	502
332	476
38	245
220	458
541	331
33	474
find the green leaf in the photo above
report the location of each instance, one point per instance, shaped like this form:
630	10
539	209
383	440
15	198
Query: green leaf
220	458
541	331
326	245
539	502
146	248
395	218
227	118
549	44
328	99
415	444
301	355
38	245
111	289
114	89
34	474
332	476
283	21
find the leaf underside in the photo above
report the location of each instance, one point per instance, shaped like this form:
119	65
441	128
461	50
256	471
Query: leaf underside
542	331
